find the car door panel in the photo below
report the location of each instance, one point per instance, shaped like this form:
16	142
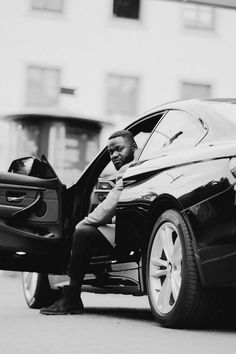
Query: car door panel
25	251
18	180
14	200
31	223
37	205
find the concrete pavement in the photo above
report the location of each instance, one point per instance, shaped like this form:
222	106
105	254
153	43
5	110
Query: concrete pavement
111	324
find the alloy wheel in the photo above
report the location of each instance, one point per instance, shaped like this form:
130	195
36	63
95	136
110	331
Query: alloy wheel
165	268
30	281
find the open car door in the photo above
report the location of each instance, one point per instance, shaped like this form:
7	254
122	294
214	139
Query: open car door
32	233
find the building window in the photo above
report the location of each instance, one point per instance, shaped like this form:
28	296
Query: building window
47	5
193	90
42	86
199	17
71	149
126	9
122	95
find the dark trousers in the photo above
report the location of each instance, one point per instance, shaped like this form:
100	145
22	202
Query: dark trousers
88	242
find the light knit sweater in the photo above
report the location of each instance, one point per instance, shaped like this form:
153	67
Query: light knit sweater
103	216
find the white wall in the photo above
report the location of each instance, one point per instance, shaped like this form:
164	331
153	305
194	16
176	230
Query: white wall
86	42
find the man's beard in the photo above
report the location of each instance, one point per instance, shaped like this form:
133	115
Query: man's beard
121	162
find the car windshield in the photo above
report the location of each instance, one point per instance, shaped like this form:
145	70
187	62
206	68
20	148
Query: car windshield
13	145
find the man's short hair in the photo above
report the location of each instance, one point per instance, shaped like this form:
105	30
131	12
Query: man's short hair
123	133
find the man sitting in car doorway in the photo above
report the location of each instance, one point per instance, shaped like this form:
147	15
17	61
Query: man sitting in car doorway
93	236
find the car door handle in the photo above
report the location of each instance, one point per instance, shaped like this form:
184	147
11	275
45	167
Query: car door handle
15	199
25	211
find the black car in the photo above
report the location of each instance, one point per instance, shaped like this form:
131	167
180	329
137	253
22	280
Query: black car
175	221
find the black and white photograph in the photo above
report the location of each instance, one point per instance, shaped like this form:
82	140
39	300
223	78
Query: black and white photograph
118	176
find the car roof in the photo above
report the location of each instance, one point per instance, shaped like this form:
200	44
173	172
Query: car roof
217	113
190	105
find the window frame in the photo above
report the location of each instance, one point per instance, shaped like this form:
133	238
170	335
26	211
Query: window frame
123	112
196	84
46	8
137	18
196	23
42	69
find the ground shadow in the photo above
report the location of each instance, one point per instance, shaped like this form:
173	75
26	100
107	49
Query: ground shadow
122	312
221	325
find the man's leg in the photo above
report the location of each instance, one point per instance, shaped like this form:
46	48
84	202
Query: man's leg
87	242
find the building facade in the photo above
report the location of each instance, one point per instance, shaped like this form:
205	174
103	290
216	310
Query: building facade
111	60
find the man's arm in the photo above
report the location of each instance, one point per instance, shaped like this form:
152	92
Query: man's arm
105	211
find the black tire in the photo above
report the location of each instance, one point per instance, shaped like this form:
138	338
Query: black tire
175	294
37	290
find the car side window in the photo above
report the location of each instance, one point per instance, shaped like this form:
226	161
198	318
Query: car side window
107	177
176	129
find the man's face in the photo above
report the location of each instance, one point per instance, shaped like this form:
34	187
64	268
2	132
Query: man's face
121	151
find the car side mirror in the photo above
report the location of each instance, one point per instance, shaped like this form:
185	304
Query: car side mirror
22	166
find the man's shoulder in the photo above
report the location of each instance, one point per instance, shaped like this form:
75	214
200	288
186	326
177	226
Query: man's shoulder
124	167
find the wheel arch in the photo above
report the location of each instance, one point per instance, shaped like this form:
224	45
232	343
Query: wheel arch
157	208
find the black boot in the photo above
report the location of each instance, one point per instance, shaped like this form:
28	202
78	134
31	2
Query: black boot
69	303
